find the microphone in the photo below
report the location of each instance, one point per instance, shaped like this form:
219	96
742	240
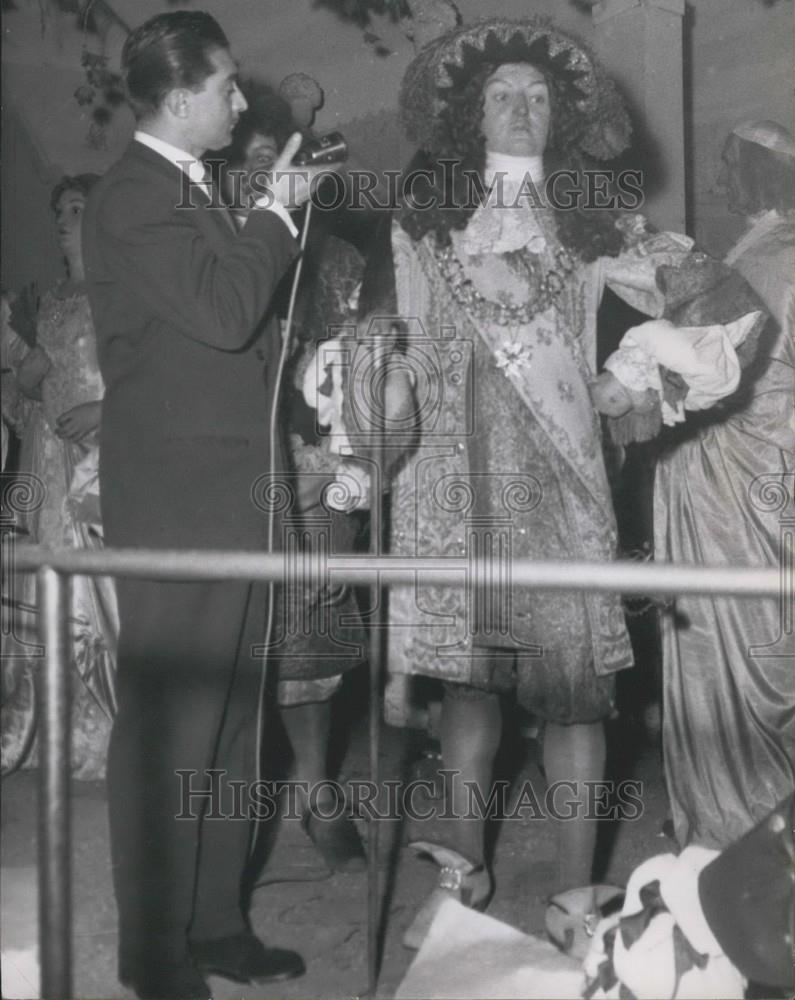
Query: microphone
331	148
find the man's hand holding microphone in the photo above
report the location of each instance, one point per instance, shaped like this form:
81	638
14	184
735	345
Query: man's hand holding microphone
291	184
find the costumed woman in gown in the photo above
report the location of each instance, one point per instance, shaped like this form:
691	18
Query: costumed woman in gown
499	266
59	447
722	494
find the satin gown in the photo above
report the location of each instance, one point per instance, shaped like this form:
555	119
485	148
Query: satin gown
724	496
64	513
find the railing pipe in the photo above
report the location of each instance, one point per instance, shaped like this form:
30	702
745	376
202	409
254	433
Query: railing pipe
625	577
54	847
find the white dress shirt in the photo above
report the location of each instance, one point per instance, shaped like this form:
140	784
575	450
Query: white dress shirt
197	173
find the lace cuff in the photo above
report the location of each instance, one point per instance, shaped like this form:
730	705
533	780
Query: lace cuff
704	356
634	367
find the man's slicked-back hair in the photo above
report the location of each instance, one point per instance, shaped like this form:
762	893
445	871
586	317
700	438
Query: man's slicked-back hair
167	51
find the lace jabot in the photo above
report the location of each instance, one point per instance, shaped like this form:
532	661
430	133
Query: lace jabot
508	220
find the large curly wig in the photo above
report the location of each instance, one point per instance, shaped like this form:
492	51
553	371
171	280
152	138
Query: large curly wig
441	105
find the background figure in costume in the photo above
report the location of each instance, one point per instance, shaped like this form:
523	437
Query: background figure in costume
57	371
704	923
659	943
722	490
499	287
321	637
310	648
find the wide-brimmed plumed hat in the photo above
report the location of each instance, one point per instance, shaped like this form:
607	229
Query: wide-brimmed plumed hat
597	121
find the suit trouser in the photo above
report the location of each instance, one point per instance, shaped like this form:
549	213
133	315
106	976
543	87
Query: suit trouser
188	695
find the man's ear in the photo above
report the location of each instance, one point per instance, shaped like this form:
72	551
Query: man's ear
178	102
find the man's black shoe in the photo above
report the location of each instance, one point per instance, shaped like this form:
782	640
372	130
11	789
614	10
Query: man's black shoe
243	958
168	982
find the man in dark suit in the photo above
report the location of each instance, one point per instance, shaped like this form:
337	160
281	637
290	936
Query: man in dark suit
189	357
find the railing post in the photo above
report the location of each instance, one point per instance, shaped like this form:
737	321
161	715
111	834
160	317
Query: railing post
55	914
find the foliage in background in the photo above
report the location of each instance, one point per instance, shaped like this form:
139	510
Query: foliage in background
104	90
360	12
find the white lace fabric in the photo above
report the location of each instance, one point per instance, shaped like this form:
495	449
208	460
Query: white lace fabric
704	356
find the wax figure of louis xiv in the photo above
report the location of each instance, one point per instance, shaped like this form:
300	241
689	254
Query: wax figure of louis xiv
189	359
499	292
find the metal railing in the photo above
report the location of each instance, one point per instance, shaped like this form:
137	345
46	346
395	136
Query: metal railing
55	567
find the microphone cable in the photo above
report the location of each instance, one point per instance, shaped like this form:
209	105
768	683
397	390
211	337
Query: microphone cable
283	354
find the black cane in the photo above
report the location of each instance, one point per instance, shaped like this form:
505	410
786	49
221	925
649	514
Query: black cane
377	594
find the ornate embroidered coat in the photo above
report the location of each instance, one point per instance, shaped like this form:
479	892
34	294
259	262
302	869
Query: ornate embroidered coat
509	462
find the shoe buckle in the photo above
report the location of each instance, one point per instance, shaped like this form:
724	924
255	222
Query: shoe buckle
451	879
590	921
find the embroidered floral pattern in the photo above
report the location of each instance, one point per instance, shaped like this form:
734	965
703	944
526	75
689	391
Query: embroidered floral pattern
513	358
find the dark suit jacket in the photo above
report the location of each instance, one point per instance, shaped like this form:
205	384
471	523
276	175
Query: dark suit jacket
188	353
